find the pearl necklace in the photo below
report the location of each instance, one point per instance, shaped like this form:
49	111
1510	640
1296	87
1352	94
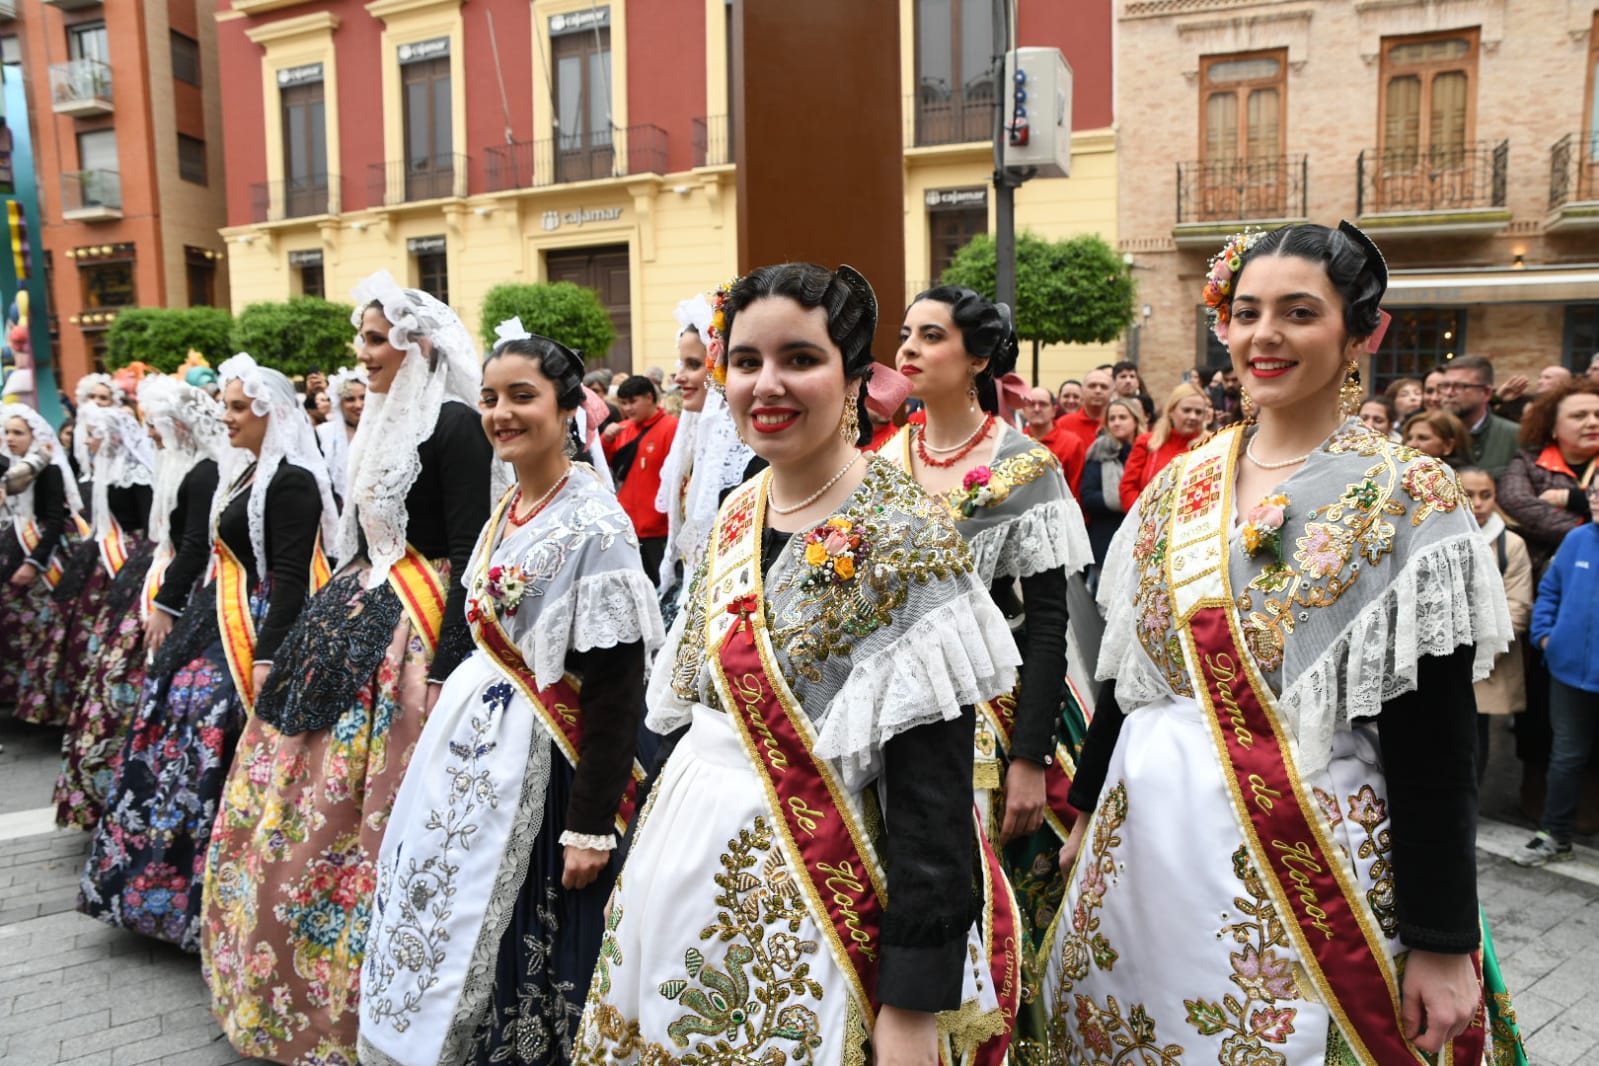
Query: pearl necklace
813	497
1249	450
538	505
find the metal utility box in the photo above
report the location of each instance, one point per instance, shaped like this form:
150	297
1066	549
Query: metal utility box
1038	111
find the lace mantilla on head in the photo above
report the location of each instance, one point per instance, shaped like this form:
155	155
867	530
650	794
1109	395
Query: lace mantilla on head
911	639
121	457
86	385
289	439
440	363
711	459
47	445
569	581
189	422
1382	564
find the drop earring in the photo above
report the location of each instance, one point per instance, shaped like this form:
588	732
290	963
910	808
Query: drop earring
849	426
1349	391
971	392
1247	405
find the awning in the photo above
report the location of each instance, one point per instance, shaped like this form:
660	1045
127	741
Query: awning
1434	288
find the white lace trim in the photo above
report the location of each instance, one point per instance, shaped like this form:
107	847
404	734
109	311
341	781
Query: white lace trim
190	424
959	654
1138	680
123	459
46	444
1448	594
597	611
664	710
1041	538
570	839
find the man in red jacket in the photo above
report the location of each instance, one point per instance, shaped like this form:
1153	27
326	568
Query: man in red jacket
637	448
1044	427
1086	422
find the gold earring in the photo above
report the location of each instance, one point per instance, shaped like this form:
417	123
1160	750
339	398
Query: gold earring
849	427
971	391
1349	392
1246	404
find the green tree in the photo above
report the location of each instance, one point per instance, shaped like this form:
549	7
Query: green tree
1075	291
162	337
295	335
562	312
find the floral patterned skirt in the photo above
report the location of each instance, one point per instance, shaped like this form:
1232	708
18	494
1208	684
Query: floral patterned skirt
1167	950
147	863
26	618
291	868
59	656
476	952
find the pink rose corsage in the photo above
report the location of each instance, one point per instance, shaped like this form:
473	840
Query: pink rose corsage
1264	526
835	551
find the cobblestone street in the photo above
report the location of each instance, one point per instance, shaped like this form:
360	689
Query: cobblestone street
73	991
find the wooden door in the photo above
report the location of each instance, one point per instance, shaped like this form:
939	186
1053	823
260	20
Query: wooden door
605	271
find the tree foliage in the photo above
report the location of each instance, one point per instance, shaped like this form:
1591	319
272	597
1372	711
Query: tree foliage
561	311
1075	291
162	337
295	335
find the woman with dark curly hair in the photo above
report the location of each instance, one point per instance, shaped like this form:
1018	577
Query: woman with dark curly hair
1285	800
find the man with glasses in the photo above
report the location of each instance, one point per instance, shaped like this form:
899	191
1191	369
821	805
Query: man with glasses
1466	388
1042	426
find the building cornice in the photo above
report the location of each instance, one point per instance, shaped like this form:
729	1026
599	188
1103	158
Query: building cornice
314	25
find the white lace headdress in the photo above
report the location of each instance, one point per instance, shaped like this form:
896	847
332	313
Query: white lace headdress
711	452
289	438
124	457
190	424
343	376
45	443
333	434
694	313
441	363
86	384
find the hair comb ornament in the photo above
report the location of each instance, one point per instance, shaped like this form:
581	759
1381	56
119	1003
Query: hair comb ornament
510	330
863	291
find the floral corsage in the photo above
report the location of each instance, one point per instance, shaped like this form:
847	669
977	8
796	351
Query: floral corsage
505	586
1264	527
716	343
834	551
982	490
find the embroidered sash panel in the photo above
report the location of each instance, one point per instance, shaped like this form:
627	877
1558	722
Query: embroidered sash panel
558	705
113	549
1335	934
421	594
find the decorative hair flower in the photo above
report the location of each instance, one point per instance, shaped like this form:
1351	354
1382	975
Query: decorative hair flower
1223	272
1264	528
510	330
716	344
835	551
982	489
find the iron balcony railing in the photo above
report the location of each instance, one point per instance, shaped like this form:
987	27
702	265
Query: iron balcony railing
937	115
1574	169
613	153
80	83
83	190
713	141
274	201
402	181
1240	190
1469	177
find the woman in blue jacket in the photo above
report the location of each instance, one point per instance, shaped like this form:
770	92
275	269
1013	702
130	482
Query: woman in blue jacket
1565	621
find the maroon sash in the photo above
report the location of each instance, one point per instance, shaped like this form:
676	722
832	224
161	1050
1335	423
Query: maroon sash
1059	814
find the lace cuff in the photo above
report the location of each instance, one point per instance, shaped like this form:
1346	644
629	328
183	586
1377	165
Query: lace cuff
1448	594
1044	537
570	839
598	611
958	654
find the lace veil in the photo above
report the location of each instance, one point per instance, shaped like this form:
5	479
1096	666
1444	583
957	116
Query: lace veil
441	363
48	445
335	441
190	424
80	447
712	452
124	458
289	438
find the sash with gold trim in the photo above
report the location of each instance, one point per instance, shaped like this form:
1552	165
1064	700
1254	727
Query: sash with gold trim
558	704
1059	814
818	825
113	549
1332	929
421	593
233	613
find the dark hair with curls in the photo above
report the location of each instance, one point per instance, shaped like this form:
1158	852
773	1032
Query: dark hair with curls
560	364
843	294
988	333
1538	420
1354	266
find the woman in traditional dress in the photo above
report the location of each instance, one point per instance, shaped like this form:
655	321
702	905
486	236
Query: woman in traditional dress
104	697
348	389
706	445
1279	862
805	879
1008	497
145	867
497	861
293	856
1181	423
31	556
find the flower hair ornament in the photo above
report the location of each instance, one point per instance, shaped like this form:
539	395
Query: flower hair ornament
716	342
1224	267
510	330
694	314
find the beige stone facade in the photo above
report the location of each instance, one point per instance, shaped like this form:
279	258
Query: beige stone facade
1460	134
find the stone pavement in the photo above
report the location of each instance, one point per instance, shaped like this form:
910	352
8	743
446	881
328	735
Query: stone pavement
74	991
